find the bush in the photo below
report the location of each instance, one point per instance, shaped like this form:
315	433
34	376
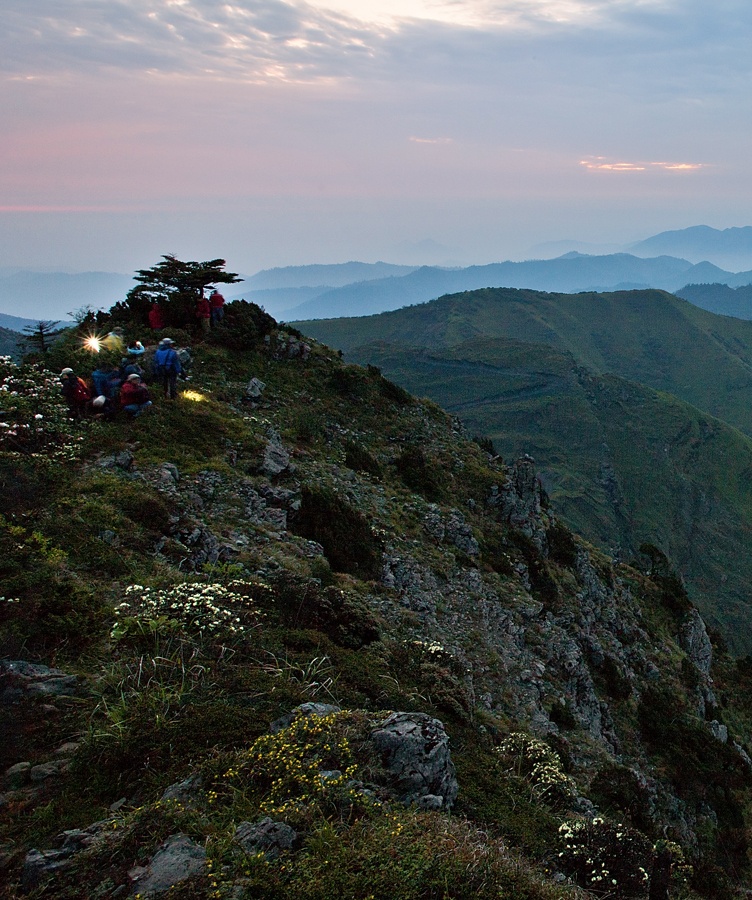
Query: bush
244	326
343	532
420	474
608	859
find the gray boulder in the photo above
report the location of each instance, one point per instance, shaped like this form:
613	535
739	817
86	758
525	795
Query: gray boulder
414	749
265	836
176	860
695	642
305	710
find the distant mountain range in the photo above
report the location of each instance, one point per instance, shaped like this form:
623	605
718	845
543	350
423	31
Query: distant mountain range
53	295
669	261
637	407
729	248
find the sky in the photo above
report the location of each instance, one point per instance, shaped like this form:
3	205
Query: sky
275	133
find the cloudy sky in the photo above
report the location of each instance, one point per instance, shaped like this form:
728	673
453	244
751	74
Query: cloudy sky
275	133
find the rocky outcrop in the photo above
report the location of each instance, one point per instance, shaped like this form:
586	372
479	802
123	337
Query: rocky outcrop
265	836
414	749
695	642
176	860
19	679
520	502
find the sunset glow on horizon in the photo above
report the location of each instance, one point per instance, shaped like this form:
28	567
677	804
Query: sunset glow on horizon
356	129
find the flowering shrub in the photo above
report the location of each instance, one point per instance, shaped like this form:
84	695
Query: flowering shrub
203	610
534	761
34	418
306	763
608	859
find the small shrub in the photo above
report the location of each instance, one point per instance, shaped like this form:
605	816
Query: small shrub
562	547
485	444
534	761
421	474
343	532
244	326
608	859
359	459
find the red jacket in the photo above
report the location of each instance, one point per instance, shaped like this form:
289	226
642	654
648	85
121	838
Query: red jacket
217	300
156	319
133	392
203	309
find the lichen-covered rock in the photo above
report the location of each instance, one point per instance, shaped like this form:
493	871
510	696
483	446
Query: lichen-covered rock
414	749
18	678
520	502
265	836
176	860
305	710
695	642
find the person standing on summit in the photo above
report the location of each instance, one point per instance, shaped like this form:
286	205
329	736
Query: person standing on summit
203	313
217	302
166	367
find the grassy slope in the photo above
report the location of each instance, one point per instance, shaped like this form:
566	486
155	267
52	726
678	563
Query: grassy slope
624	464
140	734
647	336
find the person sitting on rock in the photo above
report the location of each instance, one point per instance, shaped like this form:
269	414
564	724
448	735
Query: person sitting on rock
134	396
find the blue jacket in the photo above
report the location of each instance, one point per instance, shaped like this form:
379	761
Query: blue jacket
166	361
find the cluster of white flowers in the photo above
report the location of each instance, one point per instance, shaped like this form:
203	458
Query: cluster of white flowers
609	858
34	418
434	649
207	610
533	760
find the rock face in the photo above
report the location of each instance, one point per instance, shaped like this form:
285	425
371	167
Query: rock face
414	749
18	678
176	860
520	501
695	642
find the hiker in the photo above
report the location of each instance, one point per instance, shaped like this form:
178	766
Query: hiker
114	340
203	313
130	364
134	396
107	380
166	367
217	303
75	391
103	407
156	317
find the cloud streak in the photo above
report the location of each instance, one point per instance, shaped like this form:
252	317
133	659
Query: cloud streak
600	164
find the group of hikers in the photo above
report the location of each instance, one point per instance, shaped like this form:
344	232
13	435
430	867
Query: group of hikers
115	388
209	312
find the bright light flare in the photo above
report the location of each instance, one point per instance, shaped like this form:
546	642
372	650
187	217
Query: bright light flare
93	344
195	396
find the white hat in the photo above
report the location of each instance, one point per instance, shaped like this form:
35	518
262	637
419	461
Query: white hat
134	377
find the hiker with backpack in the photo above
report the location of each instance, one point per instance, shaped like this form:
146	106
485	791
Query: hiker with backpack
166	367
76	392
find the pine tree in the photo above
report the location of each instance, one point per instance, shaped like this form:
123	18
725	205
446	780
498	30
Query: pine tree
41	336
177	286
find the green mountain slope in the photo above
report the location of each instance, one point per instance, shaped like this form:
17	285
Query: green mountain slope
624	464
499	710
647	336
558	376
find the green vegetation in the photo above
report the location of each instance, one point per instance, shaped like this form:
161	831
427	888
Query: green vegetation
202	572
597	387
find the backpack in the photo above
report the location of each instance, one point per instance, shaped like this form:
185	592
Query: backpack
165	361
